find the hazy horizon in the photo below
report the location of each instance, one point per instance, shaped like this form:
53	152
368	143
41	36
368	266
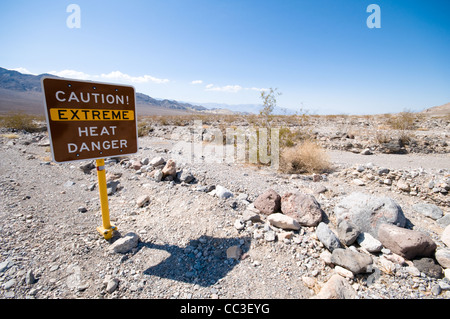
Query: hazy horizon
323	56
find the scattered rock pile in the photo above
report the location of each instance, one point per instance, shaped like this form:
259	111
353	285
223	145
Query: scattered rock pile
186	226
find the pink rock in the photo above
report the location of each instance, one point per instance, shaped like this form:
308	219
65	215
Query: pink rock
337	287
268	202
405	242
445	237
302	207
170	169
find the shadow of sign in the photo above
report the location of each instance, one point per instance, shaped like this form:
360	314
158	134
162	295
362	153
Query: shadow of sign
203	261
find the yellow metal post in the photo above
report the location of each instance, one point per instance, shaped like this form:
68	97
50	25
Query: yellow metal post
106	229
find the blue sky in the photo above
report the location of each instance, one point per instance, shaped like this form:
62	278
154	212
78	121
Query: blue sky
320	54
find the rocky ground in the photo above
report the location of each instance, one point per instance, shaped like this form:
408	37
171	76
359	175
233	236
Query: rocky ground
207	230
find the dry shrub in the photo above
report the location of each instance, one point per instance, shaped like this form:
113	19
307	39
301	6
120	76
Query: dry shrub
19	121
144	128
402	121
307	157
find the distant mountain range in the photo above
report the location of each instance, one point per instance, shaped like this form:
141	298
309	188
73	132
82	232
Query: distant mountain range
23	92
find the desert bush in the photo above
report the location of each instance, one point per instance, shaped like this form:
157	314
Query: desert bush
19	121
382	137
307	157
405	120
143	128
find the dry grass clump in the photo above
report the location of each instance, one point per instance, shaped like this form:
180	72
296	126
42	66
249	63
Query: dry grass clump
19	121
307	157
403	121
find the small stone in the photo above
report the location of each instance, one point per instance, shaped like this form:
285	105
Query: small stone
69	183
111	187
428	267
270	236
369	243
343	272
327	237
326	257
135	164
413	271
112	285
158	175
383	171
9	284
354	261
234	252
347	232
142	201
185	176
222	192
337	287
6	265
436	290
239	225
429	210
283	221
445	237
403	186
29	278
443	257
82	209
169	169
157	161
125	244
444	221
251	215
358	182
309	282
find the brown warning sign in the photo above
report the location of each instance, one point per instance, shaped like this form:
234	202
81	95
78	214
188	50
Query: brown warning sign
89	120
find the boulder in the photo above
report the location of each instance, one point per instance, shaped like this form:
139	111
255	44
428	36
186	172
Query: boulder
268	202
443	257
393	147
135	164
302	207
283	221
337	287
368	212
125	244
428	267
170	169
142	200
445	237
185	176
347	232
428	210
156	161
366	241
327	237
406	242
352	260
222	192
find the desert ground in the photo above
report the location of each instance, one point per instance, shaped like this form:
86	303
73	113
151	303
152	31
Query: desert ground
204	232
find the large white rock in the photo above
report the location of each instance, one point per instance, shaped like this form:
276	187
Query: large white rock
283	221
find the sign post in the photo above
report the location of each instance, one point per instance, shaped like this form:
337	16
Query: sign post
107	230
91	120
